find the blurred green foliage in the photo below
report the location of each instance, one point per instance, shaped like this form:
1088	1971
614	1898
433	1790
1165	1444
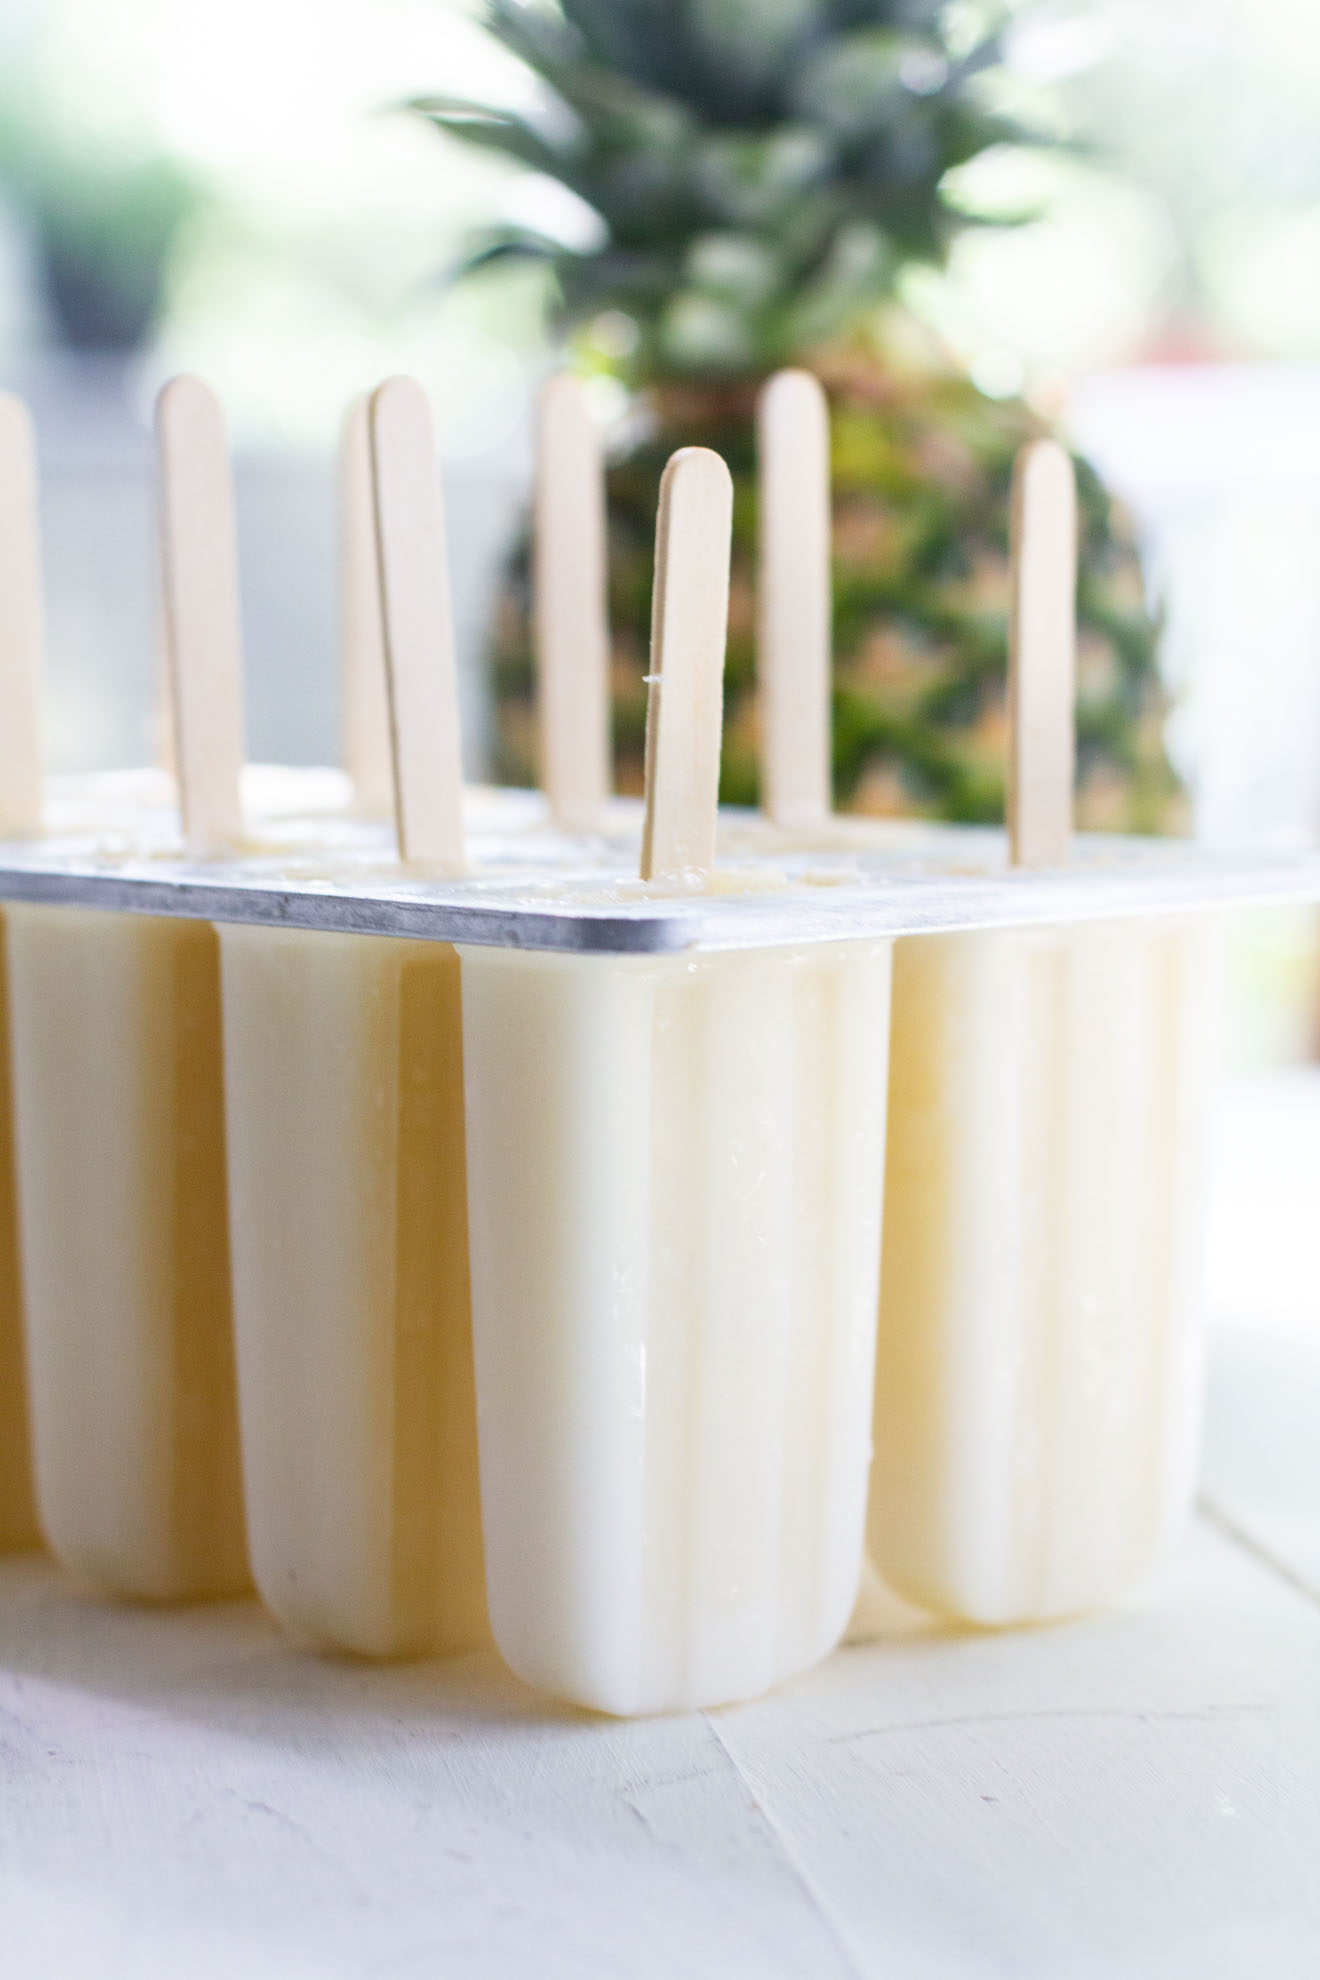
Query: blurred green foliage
102	219
761	168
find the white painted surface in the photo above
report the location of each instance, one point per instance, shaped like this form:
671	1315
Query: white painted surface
1262	1458
1134	1795
1262	1469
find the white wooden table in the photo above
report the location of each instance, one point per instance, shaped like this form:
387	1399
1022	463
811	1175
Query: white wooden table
183	1796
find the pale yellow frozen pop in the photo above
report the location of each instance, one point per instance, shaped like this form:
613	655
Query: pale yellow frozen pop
18	1518
1037	1383
1037	1373
120	1133
20	814
674	1181
344	1072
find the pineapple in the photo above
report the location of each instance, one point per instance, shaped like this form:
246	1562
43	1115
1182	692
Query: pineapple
763	171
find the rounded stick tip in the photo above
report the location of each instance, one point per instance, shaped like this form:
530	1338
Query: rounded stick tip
564	421
400	405
16	420
1044	468
792	392
693	473
563	390
185	400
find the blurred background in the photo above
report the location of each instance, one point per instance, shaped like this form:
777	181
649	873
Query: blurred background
971	218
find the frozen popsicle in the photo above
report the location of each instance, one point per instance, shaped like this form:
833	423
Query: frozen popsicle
674	1186
20	814
1037	1393
1037	1374
345	1098
120	1134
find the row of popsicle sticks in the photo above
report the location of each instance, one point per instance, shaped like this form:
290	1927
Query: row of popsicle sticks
400	723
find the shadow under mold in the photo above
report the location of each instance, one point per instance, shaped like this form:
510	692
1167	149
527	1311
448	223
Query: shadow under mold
228	1666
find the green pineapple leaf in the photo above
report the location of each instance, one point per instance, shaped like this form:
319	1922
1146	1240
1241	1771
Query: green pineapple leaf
763	172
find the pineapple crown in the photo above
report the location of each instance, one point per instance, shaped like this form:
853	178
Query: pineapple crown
761	169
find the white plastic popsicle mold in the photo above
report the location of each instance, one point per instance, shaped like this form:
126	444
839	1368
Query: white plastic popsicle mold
744	970
314	862
528	886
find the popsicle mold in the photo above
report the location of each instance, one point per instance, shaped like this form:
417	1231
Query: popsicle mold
674	1183
1038	1363
120	1139
344	1069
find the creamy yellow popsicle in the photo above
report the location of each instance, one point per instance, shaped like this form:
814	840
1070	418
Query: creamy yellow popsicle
21	666
18	1518
674	1187
1036	1375
344	1069
119	1114
674	1193
120	1142
1037	1372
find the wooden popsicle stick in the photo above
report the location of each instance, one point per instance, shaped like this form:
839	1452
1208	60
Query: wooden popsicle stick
364	717
418	627
689	628
793	616
1042	657
162	714
199	563
571	616
21	625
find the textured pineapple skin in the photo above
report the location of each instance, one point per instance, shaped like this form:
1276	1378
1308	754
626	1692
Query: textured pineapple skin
922	467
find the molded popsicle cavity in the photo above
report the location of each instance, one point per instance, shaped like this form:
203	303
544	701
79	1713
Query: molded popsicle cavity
344	1068
118	1098
675	1178
18	1514
1038	1366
